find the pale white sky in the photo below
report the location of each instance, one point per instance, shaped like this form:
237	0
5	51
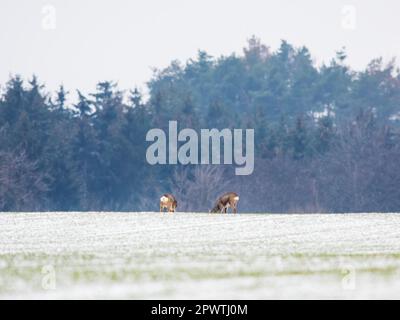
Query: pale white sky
87	41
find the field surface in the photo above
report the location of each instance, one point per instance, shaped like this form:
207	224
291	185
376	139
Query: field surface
115	255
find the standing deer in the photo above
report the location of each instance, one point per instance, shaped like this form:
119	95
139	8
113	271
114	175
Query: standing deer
168	201
229	199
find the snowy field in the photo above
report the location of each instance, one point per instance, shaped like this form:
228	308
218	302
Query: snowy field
190	255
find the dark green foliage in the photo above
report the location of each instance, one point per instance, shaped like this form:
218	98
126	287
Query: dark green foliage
327	138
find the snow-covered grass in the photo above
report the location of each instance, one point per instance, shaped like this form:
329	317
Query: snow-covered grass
192	255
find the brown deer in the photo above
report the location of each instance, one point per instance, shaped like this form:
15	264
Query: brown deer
168	201
227	200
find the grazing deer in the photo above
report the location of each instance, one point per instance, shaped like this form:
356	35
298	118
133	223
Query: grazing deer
229	199
168	201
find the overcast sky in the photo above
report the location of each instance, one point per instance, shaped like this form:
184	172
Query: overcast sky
81	42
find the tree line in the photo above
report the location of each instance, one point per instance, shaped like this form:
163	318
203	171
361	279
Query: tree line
326	137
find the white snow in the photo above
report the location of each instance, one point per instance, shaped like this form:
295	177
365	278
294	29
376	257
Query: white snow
149	255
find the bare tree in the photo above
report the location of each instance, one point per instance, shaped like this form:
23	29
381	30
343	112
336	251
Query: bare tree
197	188
22	186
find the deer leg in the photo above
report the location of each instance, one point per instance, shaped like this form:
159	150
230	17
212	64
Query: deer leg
233	206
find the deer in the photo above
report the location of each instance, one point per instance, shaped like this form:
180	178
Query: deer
168	201
227	200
